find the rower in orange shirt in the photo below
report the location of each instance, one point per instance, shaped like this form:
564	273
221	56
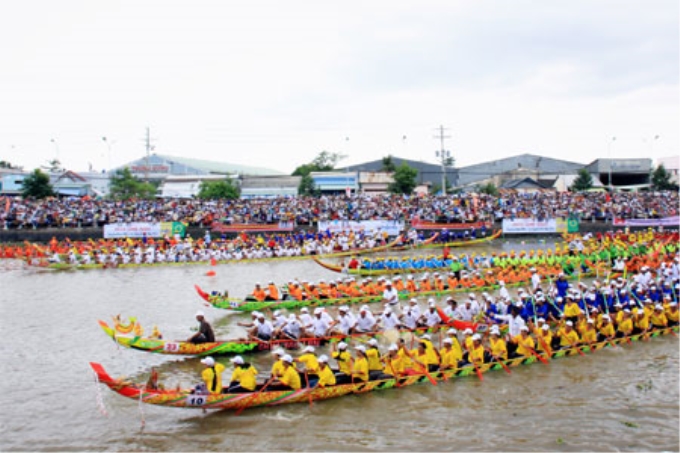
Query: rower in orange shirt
411	285
273	291
258	293
438	283
425	285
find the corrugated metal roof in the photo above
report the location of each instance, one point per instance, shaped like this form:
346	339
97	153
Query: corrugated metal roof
220	167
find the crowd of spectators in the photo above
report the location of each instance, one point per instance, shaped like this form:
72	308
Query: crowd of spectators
454	208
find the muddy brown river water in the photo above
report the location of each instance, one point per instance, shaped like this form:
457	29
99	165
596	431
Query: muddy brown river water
622	399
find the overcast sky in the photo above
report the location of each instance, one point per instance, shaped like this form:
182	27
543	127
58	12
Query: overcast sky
274	83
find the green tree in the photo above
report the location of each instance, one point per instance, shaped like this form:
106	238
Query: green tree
37	185
222	189
404	179
388	164
307	186
125	186
661	179
325	161
583	181
489	189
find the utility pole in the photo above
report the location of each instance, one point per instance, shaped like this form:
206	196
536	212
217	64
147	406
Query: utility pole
443	155
148	150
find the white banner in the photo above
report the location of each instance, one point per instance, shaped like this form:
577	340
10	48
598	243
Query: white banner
529	226
132	230
393	227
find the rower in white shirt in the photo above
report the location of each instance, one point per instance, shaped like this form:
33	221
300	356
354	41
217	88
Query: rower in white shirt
365	321
389	320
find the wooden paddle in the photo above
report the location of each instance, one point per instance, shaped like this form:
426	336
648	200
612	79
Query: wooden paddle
425	370
309	388
477	370
252	397
498	360
537	355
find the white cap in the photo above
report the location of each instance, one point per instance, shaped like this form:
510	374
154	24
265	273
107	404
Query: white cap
318	311
393	347
260	316
606	317
200	313
304	310
452	331
237	360
426	337
545	327
360	348
625	310
342	346
447	341
524	329
433	305
541	319
279	352
467	332
476	337
413	301
658	307
373	342
308	349
590	321
343	308
287	358
322	358
569	323
208	361
277	312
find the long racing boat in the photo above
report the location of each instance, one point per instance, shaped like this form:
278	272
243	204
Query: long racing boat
227	347
188	398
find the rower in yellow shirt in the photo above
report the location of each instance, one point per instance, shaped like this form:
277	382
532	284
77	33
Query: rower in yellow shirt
375	366
448	355
432	355
309	360
499	350
673	314
476	354
571	309
291	378
212	375
360	366
277	367
326	376
452	334
589	334
640	321
544	339
243	378
568	336
658	317
344	360
606	330
525	344
394	361
625	326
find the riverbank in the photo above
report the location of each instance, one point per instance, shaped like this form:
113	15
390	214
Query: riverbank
83	234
